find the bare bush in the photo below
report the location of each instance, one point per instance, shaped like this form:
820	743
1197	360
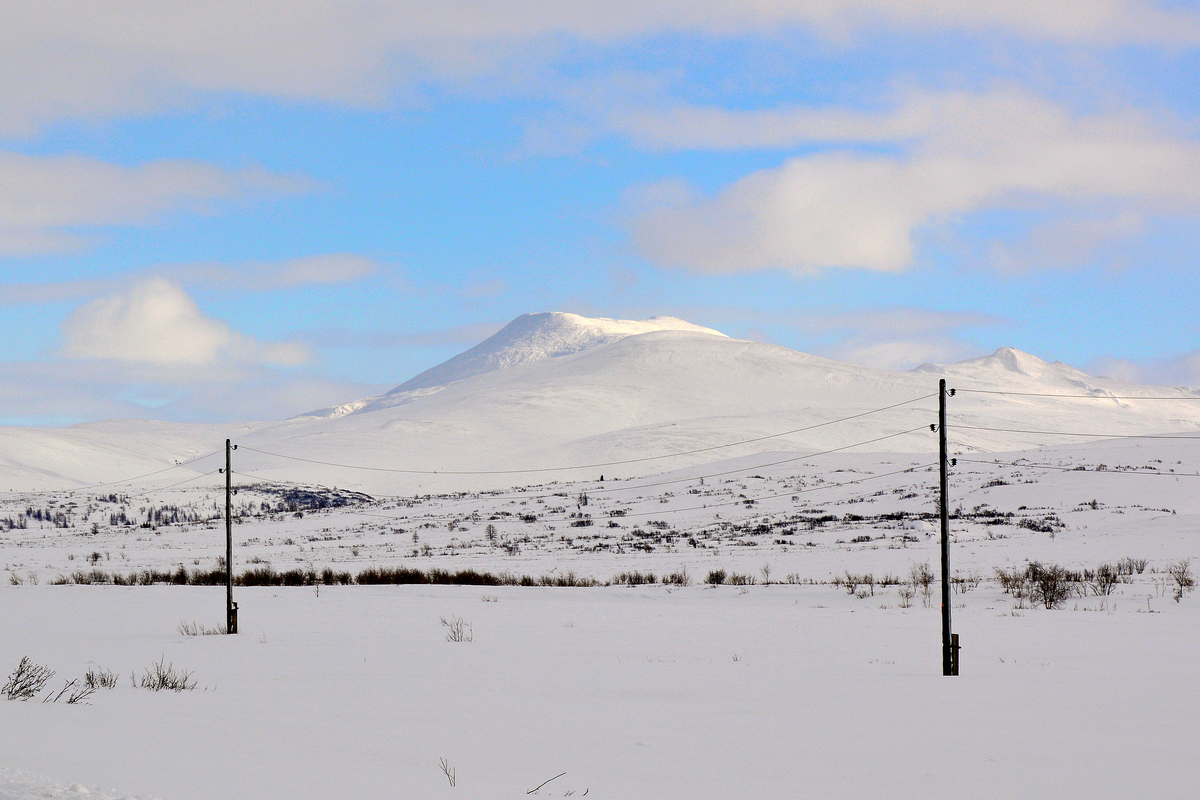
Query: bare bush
26	680
716	577
100	678
1014	581
907	592
161	675
1048	584
679	578
920	576
73	691
1104	580
449	771
852	582
1180	572
459	631
1129	566
634	578
195	629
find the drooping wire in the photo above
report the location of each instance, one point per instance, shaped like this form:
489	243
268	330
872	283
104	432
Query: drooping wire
1073	396
1194	438
587	466
79	489
173	485
606	490
761	466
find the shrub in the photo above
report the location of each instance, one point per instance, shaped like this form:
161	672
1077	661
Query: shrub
715	577
100	678
460	631
679	578
160	675
74	691
195	629
1104	580
26	680
1048	585
1180	573
1128	566
634	578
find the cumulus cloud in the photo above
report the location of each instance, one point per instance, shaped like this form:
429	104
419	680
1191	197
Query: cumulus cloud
69	60
45	199
958	153
157	324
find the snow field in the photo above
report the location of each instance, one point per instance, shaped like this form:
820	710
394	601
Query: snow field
649	692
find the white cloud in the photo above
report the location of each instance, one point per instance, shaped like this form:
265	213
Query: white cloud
64	59
155	323
894	338
257	276
1178	370
43	199
959	153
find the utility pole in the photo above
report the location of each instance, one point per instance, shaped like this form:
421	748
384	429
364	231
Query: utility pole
230	606
949	640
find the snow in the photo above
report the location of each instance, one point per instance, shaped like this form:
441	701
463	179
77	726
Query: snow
643	395
652	691
633	693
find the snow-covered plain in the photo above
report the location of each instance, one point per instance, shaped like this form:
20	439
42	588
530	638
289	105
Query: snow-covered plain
791	686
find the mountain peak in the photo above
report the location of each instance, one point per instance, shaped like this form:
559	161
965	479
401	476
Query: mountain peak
536	337
1006	361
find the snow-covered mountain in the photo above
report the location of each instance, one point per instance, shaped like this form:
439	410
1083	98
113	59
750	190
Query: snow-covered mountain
528	338
557	390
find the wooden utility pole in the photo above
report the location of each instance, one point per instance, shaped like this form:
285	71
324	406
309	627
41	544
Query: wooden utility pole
230	606
949	640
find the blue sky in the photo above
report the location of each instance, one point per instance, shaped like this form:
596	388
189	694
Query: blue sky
251	209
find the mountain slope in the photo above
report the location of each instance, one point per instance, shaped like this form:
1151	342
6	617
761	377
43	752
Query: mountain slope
527	339
634	399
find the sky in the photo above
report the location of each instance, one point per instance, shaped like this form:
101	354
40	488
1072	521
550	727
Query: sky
242	209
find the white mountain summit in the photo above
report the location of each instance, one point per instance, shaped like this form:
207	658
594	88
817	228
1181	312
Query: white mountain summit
528	338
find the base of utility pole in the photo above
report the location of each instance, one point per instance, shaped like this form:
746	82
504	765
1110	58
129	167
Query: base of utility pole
231	618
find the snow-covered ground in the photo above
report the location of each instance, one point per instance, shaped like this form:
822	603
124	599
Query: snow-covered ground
652	691
809	679
647	692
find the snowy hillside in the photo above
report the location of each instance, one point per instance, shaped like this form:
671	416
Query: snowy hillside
528	338
555	390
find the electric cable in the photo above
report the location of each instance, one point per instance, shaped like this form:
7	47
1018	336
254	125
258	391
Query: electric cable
588	466
1072	396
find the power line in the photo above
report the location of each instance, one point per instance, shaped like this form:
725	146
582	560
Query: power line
605	491
173	485
587	466
1194	438
1073	396
125	480
724	504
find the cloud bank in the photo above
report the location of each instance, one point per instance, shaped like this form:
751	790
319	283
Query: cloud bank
71	60
44	200
955	154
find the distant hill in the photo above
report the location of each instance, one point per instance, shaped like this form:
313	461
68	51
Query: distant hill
558	390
